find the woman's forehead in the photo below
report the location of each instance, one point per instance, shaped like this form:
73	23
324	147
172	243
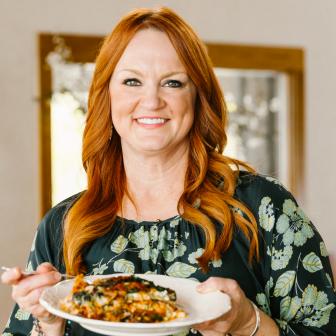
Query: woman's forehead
149	36
150	46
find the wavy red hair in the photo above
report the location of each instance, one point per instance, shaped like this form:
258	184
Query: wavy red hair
95	211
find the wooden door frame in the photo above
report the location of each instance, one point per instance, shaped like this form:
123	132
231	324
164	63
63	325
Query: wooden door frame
84	49
286	60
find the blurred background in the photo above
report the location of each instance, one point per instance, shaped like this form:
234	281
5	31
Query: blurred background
274	60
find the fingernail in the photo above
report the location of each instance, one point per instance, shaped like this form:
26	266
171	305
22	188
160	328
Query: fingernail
205	289
3	277
200	288
15	272
58	276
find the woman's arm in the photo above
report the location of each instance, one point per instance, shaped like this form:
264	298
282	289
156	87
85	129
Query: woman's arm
45	248
298	296
26	291
55	329
267	326
299	291
241	320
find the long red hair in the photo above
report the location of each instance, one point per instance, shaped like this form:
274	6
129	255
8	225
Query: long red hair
95	211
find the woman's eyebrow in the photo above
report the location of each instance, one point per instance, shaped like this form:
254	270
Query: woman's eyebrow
164	76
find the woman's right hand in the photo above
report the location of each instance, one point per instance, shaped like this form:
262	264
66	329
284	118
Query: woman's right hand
26	291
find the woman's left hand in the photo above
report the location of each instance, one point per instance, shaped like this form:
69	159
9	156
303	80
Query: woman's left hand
241	318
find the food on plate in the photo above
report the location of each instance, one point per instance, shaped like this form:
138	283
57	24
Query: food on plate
124	298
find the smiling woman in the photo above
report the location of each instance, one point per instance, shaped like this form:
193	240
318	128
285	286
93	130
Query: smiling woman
162	198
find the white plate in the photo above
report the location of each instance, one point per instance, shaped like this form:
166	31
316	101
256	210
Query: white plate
200	307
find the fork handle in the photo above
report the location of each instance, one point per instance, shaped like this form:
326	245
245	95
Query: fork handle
64	276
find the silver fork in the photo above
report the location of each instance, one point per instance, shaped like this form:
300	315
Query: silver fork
63	275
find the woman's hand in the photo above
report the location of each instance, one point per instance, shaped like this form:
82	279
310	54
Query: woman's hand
26	291
240	320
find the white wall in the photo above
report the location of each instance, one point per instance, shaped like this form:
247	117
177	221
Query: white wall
303	23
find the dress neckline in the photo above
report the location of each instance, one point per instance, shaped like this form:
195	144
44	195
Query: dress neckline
146	222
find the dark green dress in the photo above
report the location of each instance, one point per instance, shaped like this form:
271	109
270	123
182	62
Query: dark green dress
292	282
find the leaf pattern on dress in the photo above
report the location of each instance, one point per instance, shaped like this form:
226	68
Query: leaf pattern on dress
263	303
294	225
100	269
177	251
312	263
275	181
164	237
22	315
154	241
308	307
192	256
174	222
269	285
123	266
280	258
180	270
289	307
266	214
154	254
329	279
282	324
140	238
119	244
323	249
217	263
315	308
153	233
284	283
144	254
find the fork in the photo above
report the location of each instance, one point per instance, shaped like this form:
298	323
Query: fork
25	273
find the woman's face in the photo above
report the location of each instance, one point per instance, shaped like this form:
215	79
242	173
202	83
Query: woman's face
152	97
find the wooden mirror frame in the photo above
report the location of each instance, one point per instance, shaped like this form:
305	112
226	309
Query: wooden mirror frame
287	60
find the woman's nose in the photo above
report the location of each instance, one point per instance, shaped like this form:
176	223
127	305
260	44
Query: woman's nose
151	99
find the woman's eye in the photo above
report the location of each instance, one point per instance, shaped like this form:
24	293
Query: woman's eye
173	83
131	82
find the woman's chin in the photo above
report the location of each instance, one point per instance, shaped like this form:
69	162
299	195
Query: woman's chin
152	146
153	150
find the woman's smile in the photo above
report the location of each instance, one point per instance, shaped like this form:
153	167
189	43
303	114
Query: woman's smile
151	122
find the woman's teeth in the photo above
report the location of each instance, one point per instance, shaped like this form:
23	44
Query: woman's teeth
151	121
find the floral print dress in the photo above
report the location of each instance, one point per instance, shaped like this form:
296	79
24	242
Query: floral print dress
292	282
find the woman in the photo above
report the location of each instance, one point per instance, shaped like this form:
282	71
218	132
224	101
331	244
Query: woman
162	198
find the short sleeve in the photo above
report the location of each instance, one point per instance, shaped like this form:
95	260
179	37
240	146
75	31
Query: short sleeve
299	292
46	247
